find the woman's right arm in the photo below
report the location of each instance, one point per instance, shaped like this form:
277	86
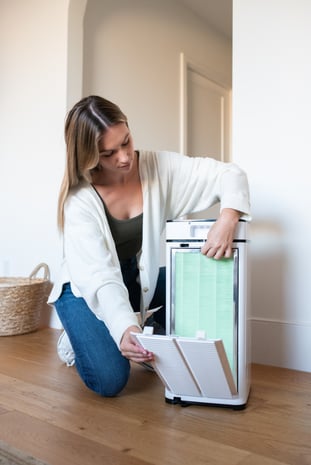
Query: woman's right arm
93	264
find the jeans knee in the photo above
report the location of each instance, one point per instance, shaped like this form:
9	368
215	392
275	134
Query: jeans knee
108	384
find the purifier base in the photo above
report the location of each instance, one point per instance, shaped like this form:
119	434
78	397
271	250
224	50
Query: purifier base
186	401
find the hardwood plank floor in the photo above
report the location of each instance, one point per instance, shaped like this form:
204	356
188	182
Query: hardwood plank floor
46	411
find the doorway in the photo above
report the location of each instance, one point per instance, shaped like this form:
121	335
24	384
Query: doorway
205	124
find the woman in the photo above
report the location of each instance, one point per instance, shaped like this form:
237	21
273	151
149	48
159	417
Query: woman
113	206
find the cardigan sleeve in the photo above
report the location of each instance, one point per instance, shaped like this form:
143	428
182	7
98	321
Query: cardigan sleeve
194	184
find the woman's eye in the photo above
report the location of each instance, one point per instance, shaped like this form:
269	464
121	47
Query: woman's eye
109	153
106	154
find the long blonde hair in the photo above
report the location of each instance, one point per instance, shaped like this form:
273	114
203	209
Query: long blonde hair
85	124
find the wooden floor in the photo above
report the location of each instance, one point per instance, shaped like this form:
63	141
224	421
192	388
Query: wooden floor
46	411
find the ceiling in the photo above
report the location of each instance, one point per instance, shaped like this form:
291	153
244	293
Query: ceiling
218	13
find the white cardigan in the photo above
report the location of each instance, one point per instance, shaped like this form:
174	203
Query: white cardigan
173	185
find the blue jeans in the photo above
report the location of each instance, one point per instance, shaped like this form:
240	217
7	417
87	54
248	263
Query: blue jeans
98	359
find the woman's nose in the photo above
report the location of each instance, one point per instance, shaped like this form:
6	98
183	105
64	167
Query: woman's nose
123	155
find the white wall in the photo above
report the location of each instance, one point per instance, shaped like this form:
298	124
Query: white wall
131	56
33	56
271	127
75	51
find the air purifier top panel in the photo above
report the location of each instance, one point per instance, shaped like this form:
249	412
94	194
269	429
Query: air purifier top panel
188	230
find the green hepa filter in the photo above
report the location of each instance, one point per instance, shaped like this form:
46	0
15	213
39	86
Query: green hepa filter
203	298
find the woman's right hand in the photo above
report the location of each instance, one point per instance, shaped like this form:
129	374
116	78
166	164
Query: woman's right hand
131	349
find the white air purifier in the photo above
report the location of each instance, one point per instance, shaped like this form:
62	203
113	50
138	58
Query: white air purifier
205	356
208	300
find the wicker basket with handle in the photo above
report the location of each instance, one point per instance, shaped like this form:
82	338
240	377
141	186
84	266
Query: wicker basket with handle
21	301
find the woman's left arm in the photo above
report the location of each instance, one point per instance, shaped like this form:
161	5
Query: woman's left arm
221	235
193	184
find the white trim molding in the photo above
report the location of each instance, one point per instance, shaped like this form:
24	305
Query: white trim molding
186	65
279	343
183	104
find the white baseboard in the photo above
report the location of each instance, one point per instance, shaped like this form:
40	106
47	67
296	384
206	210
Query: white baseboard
49	318
282	344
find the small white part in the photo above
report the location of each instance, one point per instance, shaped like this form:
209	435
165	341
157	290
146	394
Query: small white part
148	330
65	350
200	334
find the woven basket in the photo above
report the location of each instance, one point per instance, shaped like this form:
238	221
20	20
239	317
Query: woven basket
21	301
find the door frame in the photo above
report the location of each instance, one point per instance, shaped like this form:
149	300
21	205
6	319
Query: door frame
184	66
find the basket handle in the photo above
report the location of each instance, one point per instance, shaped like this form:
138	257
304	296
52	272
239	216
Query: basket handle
38	267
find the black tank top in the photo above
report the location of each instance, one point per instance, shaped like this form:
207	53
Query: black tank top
127	234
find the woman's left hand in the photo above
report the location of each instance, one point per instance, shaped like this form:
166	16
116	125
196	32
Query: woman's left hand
221	235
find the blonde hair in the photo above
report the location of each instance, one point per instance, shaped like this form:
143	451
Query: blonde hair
85	124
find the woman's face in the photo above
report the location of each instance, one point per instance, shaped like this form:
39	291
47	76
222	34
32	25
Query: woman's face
116	152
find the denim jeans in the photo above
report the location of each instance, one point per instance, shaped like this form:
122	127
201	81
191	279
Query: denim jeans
98	359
